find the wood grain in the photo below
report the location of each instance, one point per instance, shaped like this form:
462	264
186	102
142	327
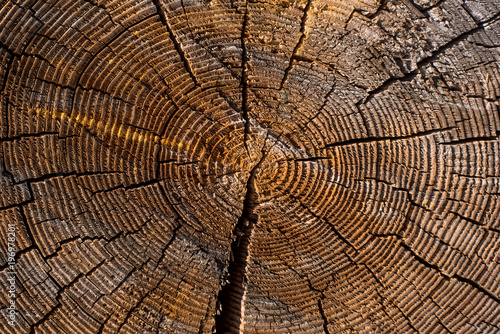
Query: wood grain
228	166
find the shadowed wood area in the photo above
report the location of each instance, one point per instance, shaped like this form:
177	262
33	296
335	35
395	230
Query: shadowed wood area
257	166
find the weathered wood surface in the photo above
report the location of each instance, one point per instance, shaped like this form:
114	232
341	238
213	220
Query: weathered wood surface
271	166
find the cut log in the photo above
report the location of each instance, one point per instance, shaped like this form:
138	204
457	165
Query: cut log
229	166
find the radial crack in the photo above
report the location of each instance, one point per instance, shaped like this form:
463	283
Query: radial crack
298	45
323	316
426	61
177	44
478	287
230	297
373	139
244	80
423	261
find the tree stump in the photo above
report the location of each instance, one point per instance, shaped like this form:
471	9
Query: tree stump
274	166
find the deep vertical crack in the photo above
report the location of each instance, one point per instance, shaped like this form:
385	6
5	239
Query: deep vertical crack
230	297
244	79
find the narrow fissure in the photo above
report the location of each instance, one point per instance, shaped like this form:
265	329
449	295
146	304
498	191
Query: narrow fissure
231	295
421	260
478	287
372	139
323	316
244	79
426	60
294	55
177	44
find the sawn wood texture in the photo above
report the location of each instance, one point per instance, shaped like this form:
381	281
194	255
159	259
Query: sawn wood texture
271	166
